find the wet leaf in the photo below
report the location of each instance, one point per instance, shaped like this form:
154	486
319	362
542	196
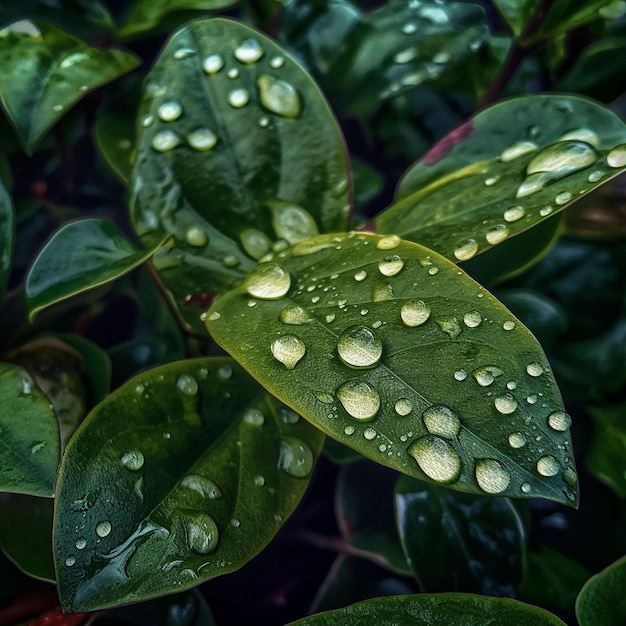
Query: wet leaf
392	350
115	138
184	473
435	610
515	175
7	226
459	542
601	601
238	151
30	452
80	256
45	71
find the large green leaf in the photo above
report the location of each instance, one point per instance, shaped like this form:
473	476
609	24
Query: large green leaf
442	609
460	542
44	71
490	179
7	218
237	150
30	449
391	349
601	601
184	473
80	256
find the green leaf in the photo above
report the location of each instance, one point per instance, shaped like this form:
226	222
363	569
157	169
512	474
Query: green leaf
237	150
392	350
30	450
44	71
435	610
80	256
7	226
460	542
25	530
184	473
516	175
601	601
114	134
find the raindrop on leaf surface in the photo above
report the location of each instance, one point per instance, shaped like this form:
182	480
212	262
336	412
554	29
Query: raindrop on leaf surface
437	458
359	399
492	476
359	346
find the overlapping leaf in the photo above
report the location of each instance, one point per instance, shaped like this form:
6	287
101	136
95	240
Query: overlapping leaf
489	179
184	473
602	601
7	226
391	349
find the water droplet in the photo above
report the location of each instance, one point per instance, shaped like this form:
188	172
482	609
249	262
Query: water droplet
548	466
380	293
526	488
508	325
563	158
57	108
369	434
472	319
268	282
201	532
235	523
279	97
360	400
288	350
326	398
449	325
36	446
559	420
213	64
409	28
563	198
277	62
360	276
147	121
187	385
233	73
103	529
403	406
170	110
132	460
183	53
517	440
489	182
70	561
405	56
442	57
294	315
349	430
505	403
295	457
254	417
259	481
517	150
437	458
441	420
585	135
460	375
81	543
288	416
534	369
569	474
202	139
497	234
388	243
238	98
201	485
390	265
486	374
165	140
492	476
214	316
359	346
466	250
617	156
532	399
249	51
330	318
256	243
291	222
514	214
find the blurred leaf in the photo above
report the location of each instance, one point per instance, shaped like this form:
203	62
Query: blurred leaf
237	149
25	530
81	255
516	175
10	578
340	454
114	134
44	71
392	350
441	609
459	542
7	226
184	473
368	182
601	601
30	452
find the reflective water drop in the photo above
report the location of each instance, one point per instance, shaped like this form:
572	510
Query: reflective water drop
563	158
585	135
403	406
594	177
437	458
170	111
268	282
214	316
514	214
165	140
213	64
369	434
449	325
291	222
388	243
559	421
409	28
563	198
249	51
132	460
349	430
147	121
534	369
517	150
460	375
390	265
196	237
548	466
617	156
545	211
279	97
235	523
380	293
201	532
466	250
492	180
526	488
497	234
326	398
511	385
505	404
532	399
442	57
517	440
81	543
187	385
202	139
360	276
233	73
288	350
405	56
294	315
486	375
441	420
238	98
508	325
288	416
254	417
183	53
472	319
103	529
295	457
492	476
259	481
201	485
277	62
71	560
359	399
569	474
359	346
256	243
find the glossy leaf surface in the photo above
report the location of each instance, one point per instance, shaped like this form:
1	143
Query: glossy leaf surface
7	226
459	542
182	474
515	175
392	350
237	150
80	256
45	71
601	601
30	450
435	610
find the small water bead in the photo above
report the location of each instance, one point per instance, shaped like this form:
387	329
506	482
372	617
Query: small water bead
594	177
497	234
330	318
214	316
294	315
403	406
486	375
433	271
466	250
165	140
212	64
437	458
238	98
349	430
292	222
235	523
508	325
563	198
103	529
517	440
81	543
326	398
492	476
517	150
187	385
202	139
388	243
295	457
460	375
279	97
585	135
449	325
249	51
288	350
563	158
183	53
277	62
390	265
255	242
409	28
359	399
132	460
569	474
505	404
202	485
559	421
359	346
617	156
545	211
147	121
380	293
233	73
534	369
57	108
71	560
369	434
360	276
264	121
196	237
548	466
514	214
414	313
259	481
268	282
170	111
254	417
532	399
441	420
472	319
441	58
201	533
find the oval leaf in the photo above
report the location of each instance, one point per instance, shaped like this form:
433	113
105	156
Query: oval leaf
392	350
601	601
184	473
237	149
80	256
435	610
7	227
489	179
45	71
29	455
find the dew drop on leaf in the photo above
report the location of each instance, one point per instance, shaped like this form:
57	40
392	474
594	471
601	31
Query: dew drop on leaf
212	64
526	488
441	420
201	485
295	457
360	276
548	466
472	319
202	139
254	417
492	476
103	529
559	421
449	325
617	156
460	375
388	243
249	51
170	110
359	346
505	404
279	97
292	222
486	375
294	315
359	399
466	250
534	369
563	158
71	560
497	234
132	460
255	242
268	282
437	458
288	350
81	543
403	406
563	198
390	265
165	140
517	150
187	385
201	532
369	434
414	313
238	98
517	440
514	214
